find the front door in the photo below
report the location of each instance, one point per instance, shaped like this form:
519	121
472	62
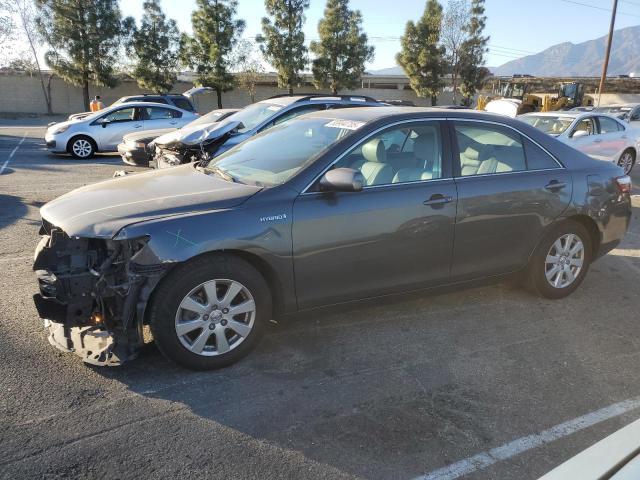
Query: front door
115	125
394	235
509	190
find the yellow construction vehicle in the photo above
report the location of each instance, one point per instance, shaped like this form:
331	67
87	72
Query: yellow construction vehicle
513	99
570	95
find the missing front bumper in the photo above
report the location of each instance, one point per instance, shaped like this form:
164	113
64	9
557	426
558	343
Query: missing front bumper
94	345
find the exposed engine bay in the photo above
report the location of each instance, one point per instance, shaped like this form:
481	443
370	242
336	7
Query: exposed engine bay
92	294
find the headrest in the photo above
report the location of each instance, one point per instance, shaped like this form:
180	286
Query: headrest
471	154
424	146
374	151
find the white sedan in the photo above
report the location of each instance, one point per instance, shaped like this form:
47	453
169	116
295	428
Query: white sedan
102	131
600	136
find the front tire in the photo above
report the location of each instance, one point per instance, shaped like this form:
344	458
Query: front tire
627	161
81	147
211	312
561	261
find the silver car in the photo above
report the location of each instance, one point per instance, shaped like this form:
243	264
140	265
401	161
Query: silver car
102	131
600	136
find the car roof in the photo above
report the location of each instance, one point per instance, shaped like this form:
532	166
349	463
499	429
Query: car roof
568	114
286	100
620	105
369	114
143	104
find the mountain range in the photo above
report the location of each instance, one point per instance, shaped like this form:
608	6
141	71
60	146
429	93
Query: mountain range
571	60
582	59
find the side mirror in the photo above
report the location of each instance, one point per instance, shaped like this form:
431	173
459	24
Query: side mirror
580	133
342	180
103	122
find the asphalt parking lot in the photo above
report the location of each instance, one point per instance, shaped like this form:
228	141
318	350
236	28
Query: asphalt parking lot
428	386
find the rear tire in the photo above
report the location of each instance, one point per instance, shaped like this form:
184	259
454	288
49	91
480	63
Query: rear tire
627	160
82	147
192	319
560	262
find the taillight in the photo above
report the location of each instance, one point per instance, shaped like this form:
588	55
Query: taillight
624	184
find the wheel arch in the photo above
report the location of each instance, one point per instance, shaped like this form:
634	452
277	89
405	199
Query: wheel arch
267	271
79	135
594	232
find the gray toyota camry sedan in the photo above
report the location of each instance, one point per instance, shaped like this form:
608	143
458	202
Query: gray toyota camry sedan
330	207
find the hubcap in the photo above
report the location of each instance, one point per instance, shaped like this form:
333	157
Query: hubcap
626	162
564	261
215	317
81	148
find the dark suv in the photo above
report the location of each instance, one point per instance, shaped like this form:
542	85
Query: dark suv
206	142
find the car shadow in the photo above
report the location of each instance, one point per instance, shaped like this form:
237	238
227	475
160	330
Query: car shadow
14	208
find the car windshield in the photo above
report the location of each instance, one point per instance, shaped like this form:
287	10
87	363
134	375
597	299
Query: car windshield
255	114
271	158
211	117
548	124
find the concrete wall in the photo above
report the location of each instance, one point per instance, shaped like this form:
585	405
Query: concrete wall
22	93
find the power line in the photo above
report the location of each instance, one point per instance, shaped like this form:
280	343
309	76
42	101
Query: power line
604	9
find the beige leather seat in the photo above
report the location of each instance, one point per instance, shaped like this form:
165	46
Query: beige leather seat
425	151
375	169
469	161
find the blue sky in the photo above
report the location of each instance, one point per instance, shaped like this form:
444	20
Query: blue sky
516	27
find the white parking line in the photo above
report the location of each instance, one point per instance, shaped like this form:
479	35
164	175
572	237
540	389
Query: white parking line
13	152
521	445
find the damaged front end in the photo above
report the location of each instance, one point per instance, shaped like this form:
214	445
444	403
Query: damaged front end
92	294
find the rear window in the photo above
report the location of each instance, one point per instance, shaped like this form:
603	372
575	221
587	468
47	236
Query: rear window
183	103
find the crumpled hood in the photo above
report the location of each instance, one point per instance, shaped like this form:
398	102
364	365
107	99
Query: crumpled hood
196	134
102	209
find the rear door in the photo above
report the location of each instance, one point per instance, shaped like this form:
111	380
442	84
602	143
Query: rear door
161	117
509	190
613	138
394	235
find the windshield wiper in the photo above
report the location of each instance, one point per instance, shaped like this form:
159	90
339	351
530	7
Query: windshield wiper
223	174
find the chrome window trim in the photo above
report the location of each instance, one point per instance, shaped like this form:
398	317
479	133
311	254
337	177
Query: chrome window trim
482	175
560	165
378	130
439	119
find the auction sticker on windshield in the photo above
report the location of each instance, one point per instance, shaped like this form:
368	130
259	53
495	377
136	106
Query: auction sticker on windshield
345	124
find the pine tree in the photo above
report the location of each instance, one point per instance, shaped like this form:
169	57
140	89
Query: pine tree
342	51
472	52
422	57
155	47
283	41
208	51
85	36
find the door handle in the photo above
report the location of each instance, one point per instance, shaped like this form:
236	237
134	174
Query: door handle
597	140
137	126
554	185
438	199
173	123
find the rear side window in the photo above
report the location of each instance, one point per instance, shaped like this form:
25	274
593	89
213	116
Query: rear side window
608	125
182	103
537	158
157	113
486	149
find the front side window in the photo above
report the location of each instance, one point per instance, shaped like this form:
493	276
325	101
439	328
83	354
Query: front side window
585	125
487	149
273	157
121	115
608	125
296	112
408	153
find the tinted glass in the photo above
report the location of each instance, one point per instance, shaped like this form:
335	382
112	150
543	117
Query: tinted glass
273	157
537	158
182	103
296	112
122	115
410	153
608	125
486	149
255	114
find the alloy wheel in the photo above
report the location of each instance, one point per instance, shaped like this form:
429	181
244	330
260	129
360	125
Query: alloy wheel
626	162
82	148
564	260
215	317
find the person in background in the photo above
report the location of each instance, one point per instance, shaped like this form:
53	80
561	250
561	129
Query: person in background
96	104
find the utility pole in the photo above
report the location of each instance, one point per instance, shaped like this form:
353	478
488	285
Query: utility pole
608	52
